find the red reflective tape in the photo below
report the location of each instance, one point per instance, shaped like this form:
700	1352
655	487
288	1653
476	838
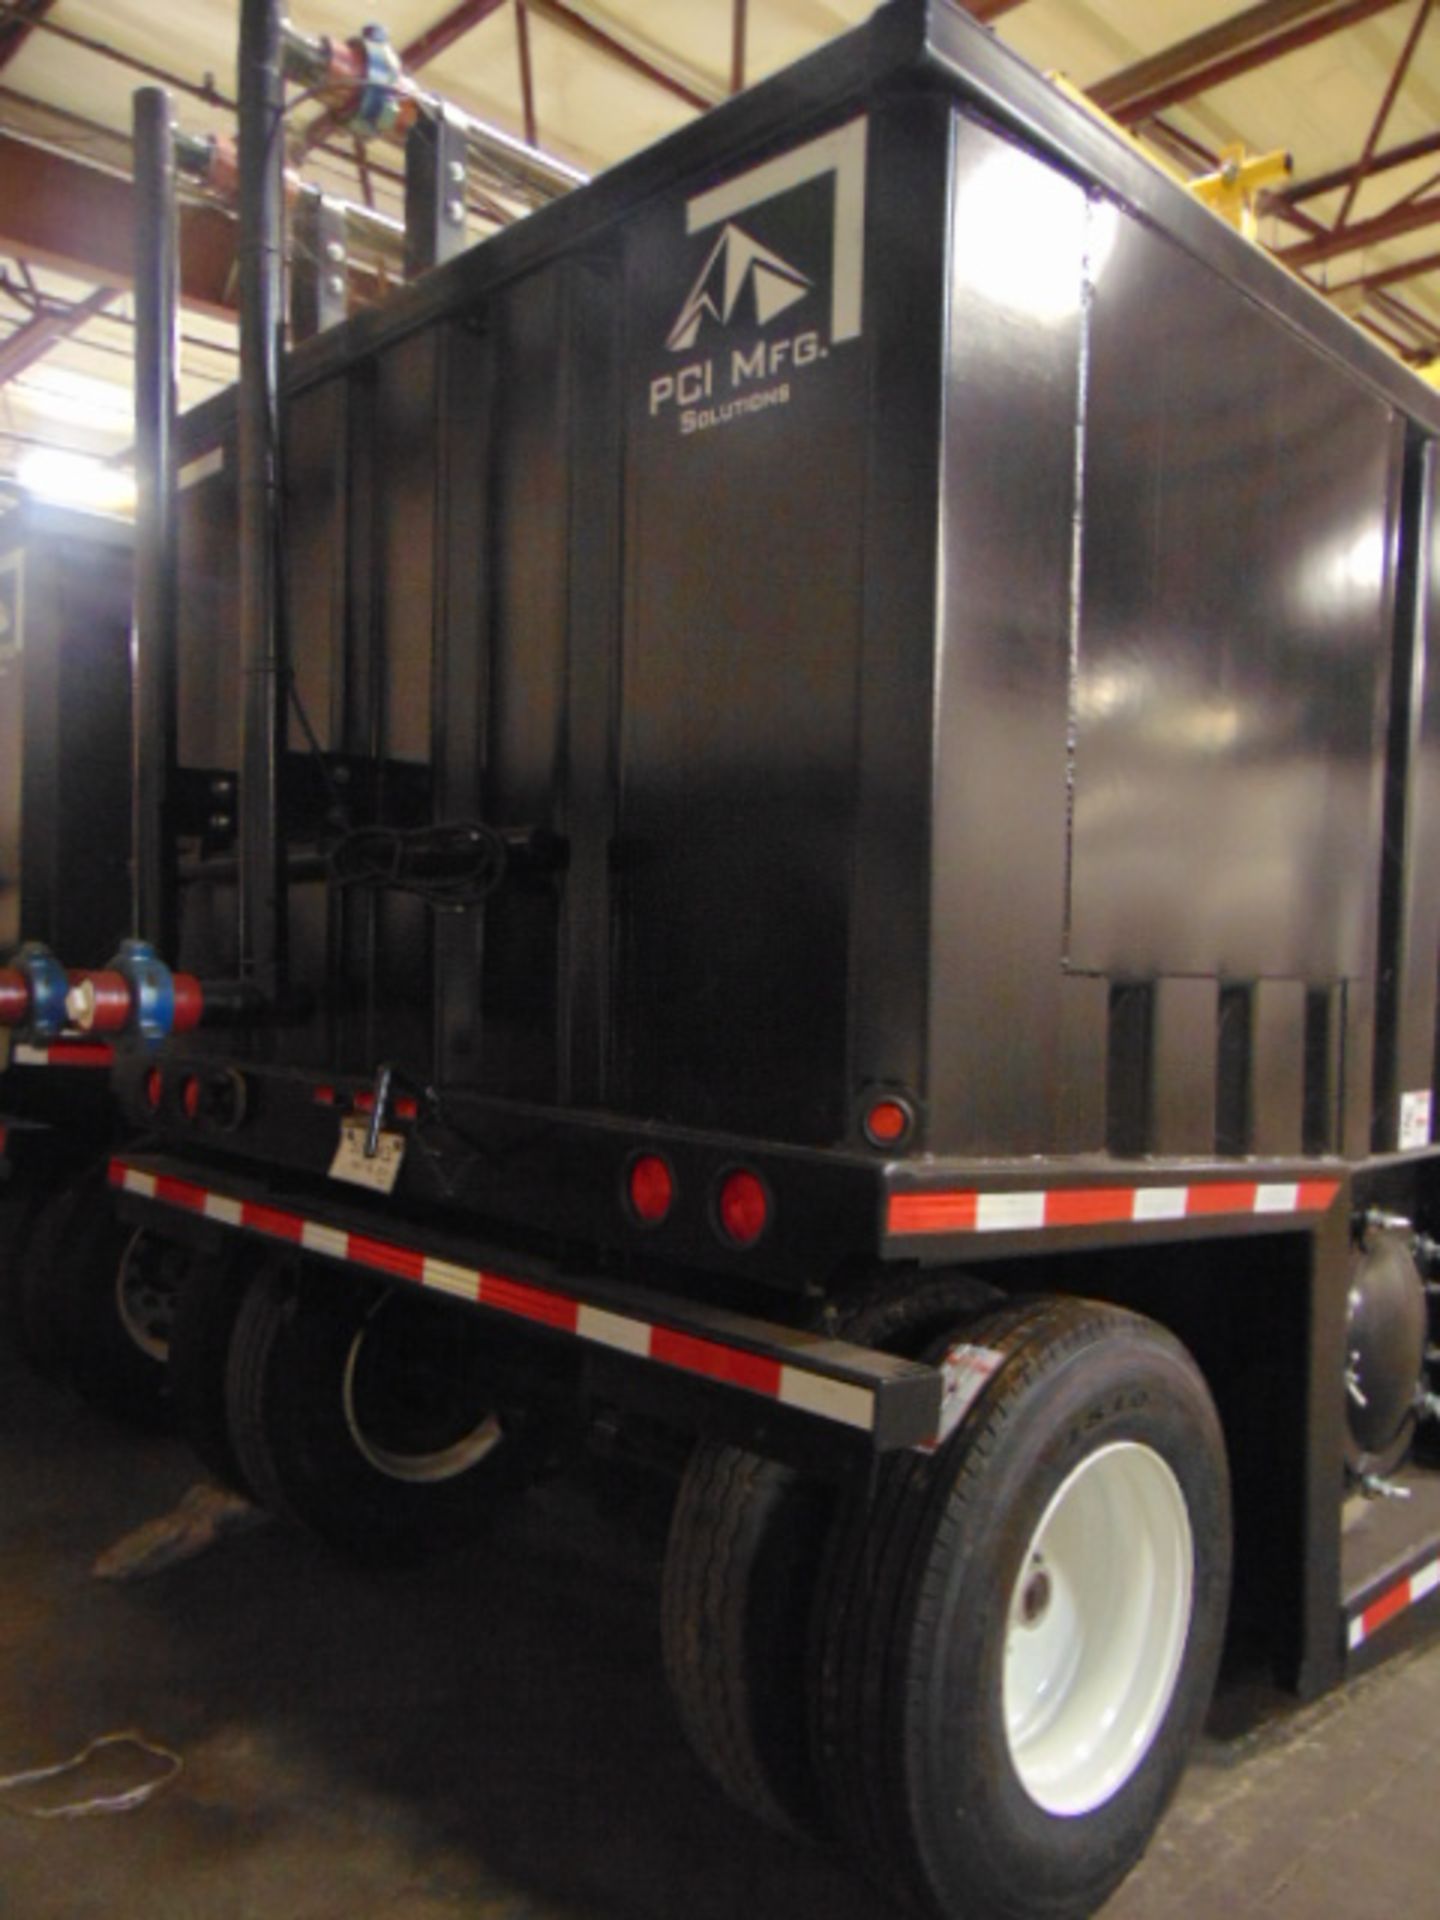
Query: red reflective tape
386	1257
81	1054
180	1193
323	1096
1386	1608
271	1221
1238	1197
1089	1206
932	1212
529	1303
4	1136
733	1365
1316	1195
115	1173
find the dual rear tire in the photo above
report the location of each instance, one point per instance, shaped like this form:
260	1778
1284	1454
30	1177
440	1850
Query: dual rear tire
1011	1641
373	1416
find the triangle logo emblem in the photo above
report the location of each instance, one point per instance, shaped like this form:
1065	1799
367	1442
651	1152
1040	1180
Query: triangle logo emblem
735	265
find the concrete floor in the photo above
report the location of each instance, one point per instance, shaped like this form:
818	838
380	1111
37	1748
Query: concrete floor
492	1738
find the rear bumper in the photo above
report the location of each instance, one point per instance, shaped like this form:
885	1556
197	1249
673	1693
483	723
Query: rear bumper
770	1376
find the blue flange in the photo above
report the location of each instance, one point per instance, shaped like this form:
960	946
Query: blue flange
379	103
152	989
45	979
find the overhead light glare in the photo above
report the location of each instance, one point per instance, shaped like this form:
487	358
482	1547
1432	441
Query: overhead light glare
77	480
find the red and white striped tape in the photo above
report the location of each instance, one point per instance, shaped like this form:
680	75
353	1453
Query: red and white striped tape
953	1210
845	1402
1393	1602
64	1053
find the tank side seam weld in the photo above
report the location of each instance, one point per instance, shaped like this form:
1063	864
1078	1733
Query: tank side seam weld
1392	1603
969	1211
843	1402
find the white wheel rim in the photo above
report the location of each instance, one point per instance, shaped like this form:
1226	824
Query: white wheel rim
145	1297
1098	1620
417	1468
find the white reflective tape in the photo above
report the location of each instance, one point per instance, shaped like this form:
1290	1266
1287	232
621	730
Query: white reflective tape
327	1240
1357	1632
1160	1203
1280	1199
1425	1581
446	1277
838	1400
1007	1212
201	468
614	1330
27	1056
140	1183
226	1212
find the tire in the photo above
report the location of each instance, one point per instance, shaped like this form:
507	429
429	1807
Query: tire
368	1414
211	1296
95	1299
1019	1634
747	1540
19	1206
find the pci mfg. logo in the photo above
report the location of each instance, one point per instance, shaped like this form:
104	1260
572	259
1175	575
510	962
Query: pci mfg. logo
745	286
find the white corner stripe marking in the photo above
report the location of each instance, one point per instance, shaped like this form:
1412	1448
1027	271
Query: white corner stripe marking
1004	1212
446	1277
141	1183
614	1330
227	1212
317	1239
1161	1203
838	1400
1425	1581
1280	1199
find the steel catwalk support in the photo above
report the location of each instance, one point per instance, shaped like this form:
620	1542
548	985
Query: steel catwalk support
435	170
261	915
154	634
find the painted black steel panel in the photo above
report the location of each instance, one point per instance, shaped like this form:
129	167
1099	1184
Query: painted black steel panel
745	479
1012	400
1240	513
1407	1071
64	732
530	487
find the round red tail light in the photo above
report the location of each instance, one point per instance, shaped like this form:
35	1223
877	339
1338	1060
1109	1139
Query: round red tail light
887	1123
651	1187
154	1089
743	1207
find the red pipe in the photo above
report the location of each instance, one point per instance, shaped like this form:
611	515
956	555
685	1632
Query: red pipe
189	1003
98	1002
14	997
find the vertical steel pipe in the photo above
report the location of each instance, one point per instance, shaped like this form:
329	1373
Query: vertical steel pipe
261	905
153	634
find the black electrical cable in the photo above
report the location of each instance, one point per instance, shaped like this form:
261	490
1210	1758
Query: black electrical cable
449	866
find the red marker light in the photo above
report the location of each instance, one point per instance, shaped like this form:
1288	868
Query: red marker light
651	1188
743	1207
886	1123
154	1089
190	1096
